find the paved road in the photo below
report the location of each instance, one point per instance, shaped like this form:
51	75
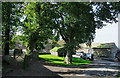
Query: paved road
98	69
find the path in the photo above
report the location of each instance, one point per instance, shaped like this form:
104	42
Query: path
99	68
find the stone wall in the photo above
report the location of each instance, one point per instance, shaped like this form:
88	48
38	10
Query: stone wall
103	52
84	50
48	47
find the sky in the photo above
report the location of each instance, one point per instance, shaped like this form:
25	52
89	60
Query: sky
107	34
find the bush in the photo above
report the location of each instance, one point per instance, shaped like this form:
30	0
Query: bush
62	52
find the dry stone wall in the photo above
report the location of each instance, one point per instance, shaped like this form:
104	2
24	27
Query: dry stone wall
104	52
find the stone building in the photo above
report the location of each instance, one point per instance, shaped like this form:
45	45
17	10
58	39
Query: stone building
100	49
106	50
48	47
19	45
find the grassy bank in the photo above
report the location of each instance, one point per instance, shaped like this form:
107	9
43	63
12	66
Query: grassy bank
60	60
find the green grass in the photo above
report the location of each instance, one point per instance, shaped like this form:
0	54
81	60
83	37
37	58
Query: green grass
60	60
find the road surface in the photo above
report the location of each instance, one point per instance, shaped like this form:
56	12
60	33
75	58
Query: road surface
98	69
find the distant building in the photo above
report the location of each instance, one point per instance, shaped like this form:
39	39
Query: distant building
100	49
48	47
19	45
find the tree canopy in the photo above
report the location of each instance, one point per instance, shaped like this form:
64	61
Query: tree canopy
75	22
10	22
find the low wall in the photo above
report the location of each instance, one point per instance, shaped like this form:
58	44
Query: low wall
103	52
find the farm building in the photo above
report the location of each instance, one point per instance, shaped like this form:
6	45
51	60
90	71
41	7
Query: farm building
100	49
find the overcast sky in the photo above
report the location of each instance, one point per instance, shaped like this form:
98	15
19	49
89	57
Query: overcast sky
107	34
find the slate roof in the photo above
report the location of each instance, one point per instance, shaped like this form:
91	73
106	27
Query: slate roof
100	45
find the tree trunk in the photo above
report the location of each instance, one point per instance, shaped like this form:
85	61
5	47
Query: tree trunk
7	31
68	58
32	46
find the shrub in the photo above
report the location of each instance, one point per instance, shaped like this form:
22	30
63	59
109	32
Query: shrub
62	52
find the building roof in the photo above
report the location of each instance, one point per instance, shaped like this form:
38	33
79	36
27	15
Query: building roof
99	45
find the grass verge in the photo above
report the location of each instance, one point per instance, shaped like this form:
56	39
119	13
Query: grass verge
119	75
60	60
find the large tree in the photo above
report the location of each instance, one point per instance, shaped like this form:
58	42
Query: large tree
10	21
77	22
36	25
75	25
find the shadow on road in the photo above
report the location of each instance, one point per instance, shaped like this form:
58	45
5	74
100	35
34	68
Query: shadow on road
87	66
98	69
36	69
91	73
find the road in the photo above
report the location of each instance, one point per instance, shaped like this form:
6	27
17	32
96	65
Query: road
98	69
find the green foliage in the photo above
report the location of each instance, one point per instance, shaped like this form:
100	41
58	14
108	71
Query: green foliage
106	11
61	42
28	52
37	20
75	22
62	52
76	25
54	43
10	23
39	46
60	60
